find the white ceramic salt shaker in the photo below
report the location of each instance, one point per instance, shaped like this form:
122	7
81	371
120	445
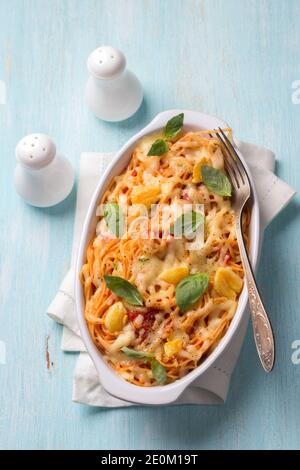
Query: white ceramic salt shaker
42	176
113	93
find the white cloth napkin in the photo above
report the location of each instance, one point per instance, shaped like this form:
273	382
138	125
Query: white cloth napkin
274	194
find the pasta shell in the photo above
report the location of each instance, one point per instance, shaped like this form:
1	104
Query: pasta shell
197	174
172	347
174	275
114	319
227	283
146	195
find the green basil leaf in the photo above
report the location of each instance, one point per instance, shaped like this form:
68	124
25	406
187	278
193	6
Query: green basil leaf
187	224
158	148
174	126
190	289
124	289
216	181
158	371
135	354
114	218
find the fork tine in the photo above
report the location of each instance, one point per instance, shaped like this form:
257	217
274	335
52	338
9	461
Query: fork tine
235	157
230	169
232	173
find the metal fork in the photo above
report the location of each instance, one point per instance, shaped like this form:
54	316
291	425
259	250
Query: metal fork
262	329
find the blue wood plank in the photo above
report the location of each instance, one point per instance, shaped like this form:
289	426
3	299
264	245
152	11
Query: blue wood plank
229	58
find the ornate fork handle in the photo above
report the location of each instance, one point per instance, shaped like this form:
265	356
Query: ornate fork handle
262	328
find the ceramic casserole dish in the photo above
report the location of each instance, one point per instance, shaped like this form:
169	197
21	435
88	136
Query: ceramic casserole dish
111	381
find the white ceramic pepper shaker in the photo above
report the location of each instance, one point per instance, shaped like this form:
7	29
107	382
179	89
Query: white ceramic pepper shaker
113	93
42	176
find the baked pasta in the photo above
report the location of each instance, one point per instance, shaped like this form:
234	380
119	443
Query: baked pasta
157	302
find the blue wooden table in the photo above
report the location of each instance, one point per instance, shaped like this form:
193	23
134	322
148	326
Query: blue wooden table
235	59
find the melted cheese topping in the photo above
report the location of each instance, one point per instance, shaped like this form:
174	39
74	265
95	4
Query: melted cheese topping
179	341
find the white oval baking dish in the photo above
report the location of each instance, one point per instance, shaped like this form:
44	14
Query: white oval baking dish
111	381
